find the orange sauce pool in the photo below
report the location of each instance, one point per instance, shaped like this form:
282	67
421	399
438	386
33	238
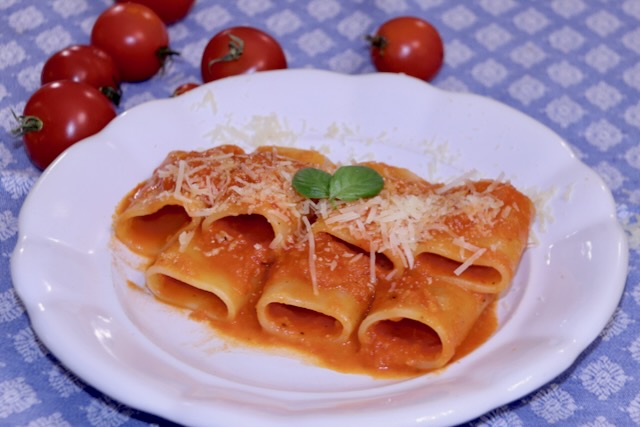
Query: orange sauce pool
245	330
245	262
345	357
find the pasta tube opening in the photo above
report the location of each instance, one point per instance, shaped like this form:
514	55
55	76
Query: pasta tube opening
417	340
148	234
294	320
225	264
479	275
293	305
419	320
394	284
182	294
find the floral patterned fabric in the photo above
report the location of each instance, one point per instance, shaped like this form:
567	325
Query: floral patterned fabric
573	65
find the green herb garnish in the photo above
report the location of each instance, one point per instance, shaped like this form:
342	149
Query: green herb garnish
348	183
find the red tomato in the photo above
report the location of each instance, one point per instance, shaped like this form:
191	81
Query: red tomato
135	37
85	64
240	50
58	115
407	45
186	87
170	11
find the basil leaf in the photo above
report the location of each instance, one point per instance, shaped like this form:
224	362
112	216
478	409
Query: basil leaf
312	183
355	182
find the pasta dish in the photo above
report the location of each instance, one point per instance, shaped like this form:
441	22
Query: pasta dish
396	284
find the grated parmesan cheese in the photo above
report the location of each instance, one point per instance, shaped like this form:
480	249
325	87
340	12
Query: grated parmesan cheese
355	258
407	211
457	181
372	266
469	261
184	239
396	223
312	255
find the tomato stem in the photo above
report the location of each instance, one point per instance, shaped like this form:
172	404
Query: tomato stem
165	53
113	94
26	124
236	48
378	42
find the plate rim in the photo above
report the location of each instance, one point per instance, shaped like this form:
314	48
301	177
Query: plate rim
37	318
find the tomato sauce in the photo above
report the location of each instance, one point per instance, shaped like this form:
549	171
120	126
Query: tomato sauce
235	257
345	357
310	345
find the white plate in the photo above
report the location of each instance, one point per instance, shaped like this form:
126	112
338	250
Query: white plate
151	357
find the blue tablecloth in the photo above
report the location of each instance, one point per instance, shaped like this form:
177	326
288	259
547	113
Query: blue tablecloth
574	65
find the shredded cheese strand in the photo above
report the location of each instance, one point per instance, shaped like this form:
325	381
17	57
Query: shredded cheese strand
312	255
469	262
404	214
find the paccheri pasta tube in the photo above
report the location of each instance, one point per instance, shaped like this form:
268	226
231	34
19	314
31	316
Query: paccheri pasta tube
391	284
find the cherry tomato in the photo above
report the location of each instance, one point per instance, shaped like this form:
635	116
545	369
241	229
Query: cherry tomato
135	37
240	50
186	87
58	115
407	45
84	64
170	11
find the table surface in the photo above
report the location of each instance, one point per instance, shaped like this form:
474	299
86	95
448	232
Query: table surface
573	65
